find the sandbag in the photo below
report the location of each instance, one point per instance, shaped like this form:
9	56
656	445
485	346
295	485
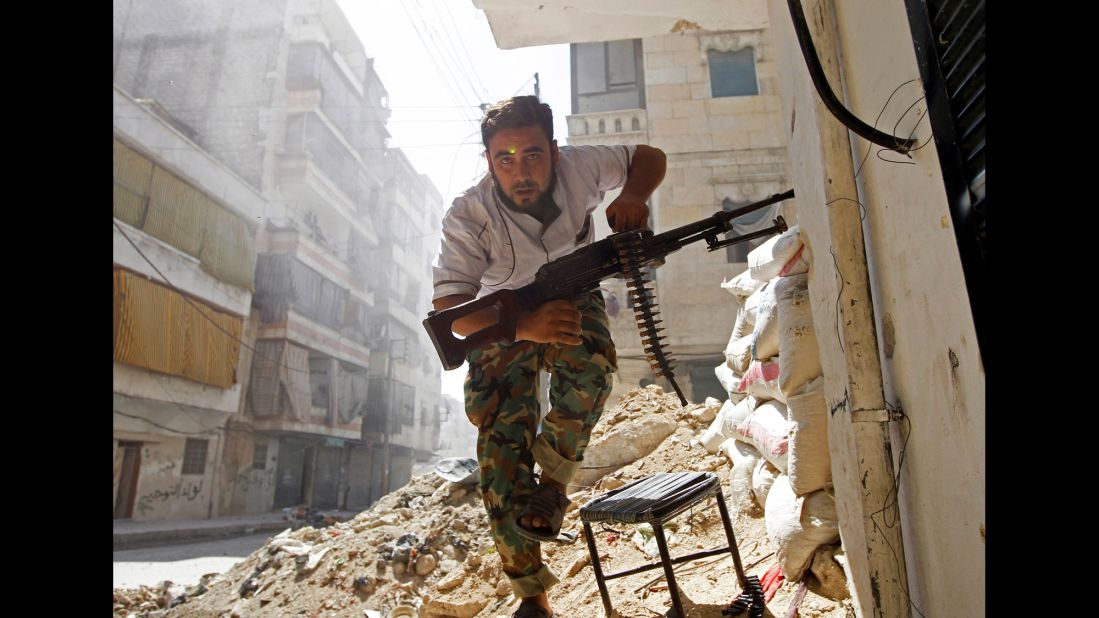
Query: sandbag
809	463
797	339
766	261
738	352
767	429
730	381
798	525
797	264
744	458
829	572
761	380
743	285
763	478
724	425
765	330
745	323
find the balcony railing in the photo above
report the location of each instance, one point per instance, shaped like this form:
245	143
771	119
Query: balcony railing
625	122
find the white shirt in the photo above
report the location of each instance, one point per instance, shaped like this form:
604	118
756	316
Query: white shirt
487	246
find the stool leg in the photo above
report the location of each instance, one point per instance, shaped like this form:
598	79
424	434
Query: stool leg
597	568
673	589
740	577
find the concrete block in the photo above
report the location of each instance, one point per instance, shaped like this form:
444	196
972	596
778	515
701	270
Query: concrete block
688	58
688	109
698	74
668	92
681	42
674	75
658	110
652	44
658	60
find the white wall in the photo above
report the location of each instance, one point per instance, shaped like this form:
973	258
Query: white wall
931	363
926	339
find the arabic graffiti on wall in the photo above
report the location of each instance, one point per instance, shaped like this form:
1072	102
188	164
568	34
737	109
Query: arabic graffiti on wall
183	489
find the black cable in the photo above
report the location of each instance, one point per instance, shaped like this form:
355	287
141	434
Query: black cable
820	81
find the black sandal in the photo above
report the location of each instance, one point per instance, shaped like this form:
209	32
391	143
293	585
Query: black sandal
548	503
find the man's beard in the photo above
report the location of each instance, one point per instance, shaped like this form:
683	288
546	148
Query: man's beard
543	200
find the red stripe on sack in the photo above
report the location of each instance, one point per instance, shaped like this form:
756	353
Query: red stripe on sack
789	265
758	371
775	445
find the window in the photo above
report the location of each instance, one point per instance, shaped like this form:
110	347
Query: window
259	457
318	381
733	73
406	404
607	76
746	224
194	456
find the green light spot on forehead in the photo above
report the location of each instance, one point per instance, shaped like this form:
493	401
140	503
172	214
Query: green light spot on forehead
511	150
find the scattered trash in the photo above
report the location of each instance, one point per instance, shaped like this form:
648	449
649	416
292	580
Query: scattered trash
459	470
645	538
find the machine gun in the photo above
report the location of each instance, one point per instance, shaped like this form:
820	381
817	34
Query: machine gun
622	254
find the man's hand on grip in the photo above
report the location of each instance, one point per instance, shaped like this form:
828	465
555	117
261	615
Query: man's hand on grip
556	321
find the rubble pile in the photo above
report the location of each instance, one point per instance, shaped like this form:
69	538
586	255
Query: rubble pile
425	549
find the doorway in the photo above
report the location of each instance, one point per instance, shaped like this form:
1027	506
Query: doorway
130	454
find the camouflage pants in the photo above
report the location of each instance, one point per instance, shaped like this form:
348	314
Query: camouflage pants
501	393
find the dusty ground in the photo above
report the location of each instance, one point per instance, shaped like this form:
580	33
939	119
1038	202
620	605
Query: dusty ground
449	568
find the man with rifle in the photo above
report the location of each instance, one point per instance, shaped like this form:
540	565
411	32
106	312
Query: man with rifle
535	206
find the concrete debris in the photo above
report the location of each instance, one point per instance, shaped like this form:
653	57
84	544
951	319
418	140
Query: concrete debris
425	564
441	561
707	413
578	564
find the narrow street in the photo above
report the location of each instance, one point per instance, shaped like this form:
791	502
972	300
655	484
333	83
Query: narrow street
182	563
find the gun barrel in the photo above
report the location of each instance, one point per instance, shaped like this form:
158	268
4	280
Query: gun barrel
717	222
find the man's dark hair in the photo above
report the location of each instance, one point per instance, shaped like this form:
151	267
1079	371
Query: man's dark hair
515	113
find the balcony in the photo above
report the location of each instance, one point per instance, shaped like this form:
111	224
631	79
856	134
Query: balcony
626	126
305	332
321	259
301	177
355	109
386	306
348	431
393	253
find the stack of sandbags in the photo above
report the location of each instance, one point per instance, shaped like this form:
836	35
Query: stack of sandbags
739	349
756	416
785	370
777	436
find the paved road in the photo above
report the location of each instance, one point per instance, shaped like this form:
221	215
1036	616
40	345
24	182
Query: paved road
183	563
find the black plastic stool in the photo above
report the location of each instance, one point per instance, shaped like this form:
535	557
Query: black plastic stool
656	500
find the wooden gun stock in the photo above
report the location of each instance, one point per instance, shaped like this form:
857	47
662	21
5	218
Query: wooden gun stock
451	349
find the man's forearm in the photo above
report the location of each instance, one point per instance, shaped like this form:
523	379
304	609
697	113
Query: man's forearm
646	172
471	323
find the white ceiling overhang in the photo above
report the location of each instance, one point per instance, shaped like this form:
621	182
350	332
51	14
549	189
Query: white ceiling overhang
525	23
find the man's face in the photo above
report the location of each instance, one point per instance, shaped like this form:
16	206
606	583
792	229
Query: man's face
521	161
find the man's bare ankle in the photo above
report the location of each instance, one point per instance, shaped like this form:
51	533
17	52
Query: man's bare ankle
540	599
